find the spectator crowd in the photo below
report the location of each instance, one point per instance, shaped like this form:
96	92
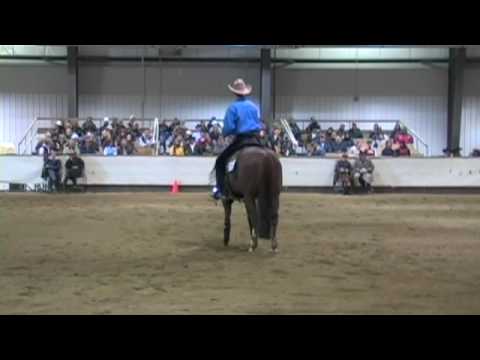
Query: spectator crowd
174	138
313	141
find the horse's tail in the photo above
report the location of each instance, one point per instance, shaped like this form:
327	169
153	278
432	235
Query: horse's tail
212	177
266	199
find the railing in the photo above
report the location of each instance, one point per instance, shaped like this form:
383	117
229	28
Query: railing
418	140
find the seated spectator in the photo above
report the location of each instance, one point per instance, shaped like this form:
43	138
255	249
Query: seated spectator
276	140
71	147
403	150
396	130
201	145
110	149
403	136
319	146
106	136
368	149
263	139
330	135
178	147
342	167
131	123
355	132
104	126
68	132
59	143
354	151
341	131
388	151
346	143
59	128
215	131
337	144
127	147
52	172
146	140
377	134
89	126
332	142
76	128
363	172
43	147
295	129
89	145
313	126
74	168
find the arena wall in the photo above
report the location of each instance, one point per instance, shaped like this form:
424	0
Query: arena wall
194	171
417	97
470	131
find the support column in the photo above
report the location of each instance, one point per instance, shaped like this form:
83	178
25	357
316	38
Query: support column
266	86
72	75
455	99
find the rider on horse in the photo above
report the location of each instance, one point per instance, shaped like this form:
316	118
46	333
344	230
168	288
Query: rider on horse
242	120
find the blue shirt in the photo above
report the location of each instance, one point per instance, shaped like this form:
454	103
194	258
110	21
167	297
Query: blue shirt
110	151
242	117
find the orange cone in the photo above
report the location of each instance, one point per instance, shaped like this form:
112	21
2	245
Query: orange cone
175	187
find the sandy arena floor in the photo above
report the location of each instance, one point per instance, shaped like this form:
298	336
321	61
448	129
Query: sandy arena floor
152	253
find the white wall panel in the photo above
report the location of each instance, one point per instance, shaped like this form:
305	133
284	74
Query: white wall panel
185	91
312	172
27	92
470	131
416	97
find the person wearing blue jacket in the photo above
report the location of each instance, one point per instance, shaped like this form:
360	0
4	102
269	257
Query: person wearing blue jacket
242	120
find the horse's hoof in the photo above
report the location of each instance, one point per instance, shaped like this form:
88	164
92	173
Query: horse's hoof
250	250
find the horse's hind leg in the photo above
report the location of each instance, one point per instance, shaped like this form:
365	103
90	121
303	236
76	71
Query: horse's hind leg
252	222
227	205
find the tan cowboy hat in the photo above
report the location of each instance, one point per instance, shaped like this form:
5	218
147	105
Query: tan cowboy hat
239	87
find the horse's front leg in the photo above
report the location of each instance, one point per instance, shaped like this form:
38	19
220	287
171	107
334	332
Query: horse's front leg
252	222
227	205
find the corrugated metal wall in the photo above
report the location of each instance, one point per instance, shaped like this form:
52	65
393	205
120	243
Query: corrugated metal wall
183	91
416	97
27	92
470	132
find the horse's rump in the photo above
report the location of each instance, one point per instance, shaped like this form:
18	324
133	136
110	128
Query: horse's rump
259	177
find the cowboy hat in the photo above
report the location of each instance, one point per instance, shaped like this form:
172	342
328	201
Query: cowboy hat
239	87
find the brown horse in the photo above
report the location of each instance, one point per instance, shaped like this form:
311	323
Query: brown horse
257	181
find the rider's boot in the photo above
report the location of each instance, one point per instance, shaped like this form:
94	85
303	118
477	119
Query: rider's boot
217	194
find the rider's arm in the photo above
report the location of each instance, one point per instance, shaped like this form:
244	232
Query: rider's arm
230	122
